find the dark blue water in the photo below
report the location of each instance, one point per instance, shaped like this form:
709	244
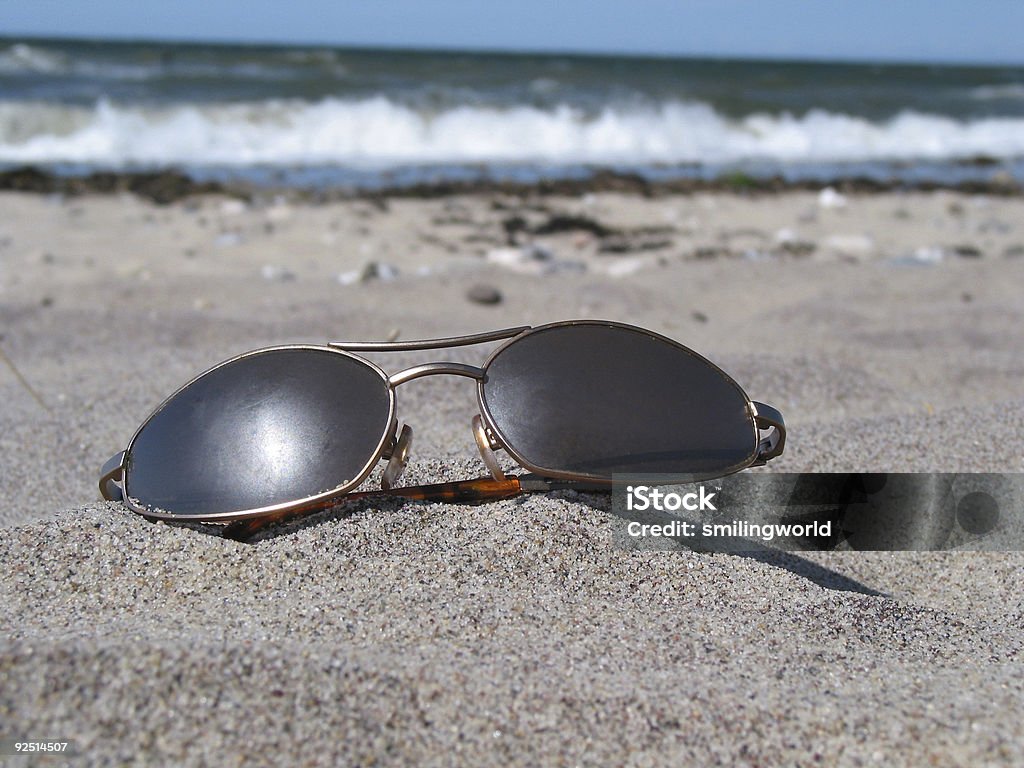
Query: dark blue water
315	116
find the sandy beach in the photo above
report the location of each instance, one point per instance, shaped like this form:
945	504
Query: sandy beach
886	327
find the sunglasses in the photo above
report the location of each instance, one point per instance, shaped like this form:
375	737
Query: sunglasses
282	432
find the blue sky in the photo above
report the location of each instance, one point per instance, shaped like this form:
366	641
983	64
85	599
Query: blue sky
916	30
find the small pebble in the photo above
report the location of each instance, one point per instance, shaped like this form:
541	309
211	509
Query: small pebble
232	208
967	251
829	198
372	270
274	272
484	294
228	239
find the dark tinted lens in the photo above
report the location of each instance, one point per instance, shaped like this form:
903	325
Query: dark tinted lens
277	426
595	399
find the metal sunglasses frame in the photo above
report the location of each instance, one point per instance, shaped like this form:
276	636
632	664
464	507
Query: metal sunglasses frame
769	434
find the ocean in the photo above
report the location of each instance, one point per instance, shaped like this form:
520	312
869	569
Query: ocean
318	116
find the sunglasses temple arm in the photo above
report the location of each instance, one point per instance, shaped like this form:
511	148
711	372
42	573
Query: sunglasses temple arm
110	477
460	492
768	418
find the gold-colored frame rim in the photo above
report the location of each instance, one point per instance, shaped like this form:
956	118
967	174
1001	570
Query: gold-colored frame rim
307	501
561	475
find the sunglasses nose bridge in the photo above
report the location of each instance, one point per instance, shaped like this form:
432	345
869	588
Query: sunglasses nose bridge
434	369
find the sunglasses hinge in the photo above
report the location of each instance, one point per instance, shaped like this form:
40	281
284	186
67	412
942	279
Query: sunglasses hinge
397	458
487	444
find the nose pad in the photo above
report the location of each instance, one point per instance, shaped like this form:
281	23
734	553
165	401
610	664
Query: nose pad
486	444
399	458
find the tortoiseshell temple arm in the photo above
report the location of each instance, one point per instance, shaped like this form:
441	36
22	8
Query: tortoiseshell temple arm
462	492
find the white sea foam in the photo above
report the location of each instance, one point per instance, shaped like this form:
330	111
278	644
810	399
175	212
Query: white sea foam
379	132
21	57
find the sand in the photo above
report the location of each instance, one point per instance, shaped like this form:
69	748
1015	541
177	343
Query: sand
886	327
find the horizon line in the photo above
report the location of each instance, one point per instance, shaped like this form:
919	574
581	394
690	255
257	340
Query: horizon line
126	39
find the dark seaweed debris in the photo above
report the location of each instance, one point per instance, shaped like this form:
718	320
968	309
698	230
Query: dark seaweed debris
162	187
170	185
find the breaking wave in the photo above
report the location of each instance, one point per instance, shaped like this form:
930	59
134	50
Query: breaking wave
378	132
